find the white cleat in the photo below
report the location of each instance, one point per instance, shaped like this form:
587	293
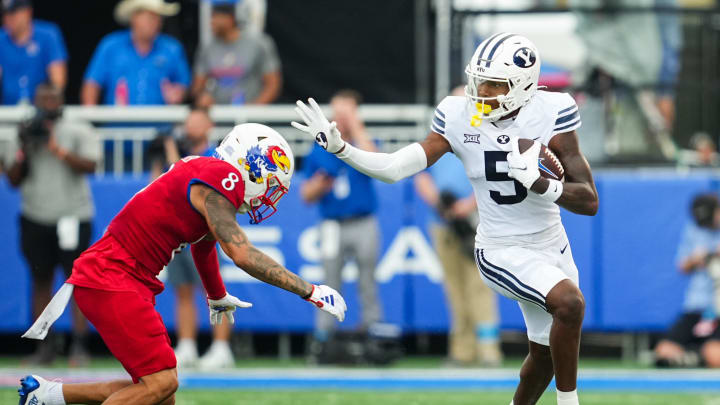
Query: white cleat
186	354
219	356
34	390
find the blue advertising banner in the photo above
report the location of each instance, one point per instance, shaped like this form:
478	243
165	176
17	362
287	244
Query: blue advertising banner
625	255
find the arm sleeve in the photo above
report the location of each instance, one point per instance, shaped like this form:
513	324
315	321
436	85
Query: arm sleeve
206	261
386	167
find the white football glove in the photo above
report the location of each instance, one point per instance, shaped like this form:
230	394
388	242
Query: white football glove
325	133
524	166
329	300
225	305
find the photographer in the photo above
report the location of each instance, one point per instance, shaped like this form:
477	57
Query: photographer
474	336
49	167
694	338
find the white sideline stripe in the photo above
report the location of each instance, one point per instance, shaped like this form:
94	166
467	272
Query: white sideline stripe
9	377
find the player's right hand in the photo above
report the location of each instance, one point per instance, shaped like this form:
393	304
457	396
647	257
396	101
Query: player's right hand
523	167
325	133
225	305
329	300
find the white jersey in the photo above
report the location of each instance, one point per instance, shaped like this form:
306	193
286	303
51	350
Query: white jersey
509	213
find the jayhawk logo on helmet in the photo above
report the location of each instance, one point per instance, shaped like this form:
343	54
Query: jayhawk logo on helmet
254	162
278	158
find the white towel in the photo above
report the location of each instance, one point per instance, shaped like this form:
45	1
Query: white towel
51	313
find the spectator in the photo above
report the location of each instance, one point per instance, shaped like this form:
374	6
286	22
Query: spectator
705	150
695	337
50	165
347	203
139	66
182	274
31	52
192	139
474	335
702	152
238	67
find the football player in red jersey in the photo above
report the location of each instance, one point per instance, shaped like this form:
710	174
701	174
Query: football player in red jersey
115	281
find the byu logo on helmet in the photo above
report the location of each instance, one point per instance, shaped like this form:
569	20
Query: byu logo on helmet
321	139
503	139
524	57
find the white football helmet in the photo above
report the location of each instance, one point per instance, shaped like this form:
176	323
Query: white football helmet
266	163
506	58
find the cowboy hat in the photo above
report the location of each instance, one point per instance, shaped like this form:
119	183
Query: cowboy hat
127	8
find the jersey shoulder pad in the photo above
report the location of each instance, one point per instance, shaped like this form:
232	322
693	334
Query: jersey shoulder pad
447	110
567	116
221	177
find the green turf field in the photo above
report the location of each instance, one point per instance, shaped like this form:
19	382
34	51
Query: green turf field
231	397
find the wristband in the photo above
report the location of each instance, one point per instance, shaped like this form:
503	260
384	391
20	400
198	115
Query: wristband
554	190
307	297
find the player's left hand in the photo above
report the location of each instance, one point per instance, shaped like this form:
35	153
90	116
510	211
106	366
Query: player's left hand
325	133
225	305
524	166
329	300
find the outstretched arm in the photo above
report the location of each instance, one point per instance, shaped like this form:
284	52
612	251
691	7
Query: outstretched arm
220	216
387	167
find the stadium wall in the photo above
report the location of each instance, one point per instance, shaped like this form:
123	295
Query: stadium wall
625	255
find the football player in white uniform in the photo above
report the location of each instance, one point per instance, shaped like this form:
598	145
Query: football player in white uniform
522	251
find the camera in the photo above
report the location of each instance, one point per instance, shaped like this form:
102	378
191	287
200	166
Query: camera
461	227
36	130
703	209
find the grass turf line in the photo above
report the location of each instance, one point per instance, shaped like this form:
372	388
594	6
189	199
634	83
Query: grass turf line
235	397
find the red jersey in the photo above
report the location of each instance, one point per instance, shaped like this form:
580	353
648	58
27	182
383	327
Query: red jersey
160	220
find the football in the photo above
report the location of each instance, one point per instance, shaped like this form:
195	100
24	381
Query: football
549	165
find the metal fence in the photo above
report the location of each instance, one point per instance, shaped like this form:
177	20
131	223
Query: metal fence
126	131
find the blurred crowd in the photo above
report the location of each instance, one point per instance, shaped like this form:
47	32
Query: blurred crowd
141	65
624	67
